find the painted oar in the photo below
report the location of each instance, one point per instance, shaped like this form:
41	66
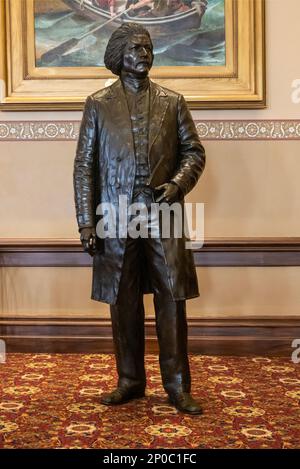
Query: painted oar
57	51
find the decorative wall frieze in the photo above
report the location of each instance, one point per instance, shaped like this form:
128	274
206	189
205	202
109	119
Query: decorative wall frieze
39	130
207	129
249	130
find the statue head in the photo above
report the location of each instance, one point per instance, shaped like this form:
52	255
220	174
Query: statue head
129	48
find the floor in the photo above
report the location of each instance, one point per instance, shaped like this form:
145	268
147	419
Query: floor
52	401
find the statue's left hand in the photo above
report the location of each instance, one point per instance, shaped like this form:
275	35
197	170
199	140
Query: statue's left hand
170	192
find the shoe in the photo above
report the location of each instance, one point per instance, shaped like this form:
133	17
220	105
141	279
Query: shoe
184	402
121	396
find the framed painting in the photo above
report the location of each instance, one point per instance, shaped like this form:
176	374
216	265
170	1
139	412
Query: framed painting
211	51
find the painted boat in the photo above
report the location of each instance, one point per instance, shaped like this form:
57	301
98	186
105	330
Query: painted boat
157	26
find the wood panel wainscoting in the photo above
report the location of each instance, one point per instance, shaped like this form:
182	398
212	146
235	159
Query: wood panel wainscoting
226	336
270	337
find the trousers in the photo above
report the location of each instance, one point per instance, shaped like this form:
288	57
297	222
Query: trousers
128	316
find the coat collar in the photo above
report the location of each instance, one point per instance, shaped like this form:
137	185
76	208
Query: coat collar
159	103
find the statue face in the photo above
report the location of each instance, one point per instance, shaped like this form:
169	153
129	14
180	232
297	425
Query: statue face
138	56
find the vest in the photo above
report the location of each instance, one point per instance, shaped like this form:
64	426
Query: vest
138	105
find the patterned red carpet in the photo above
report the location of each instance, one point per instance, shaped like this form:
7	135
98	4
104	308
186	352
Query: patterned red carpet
52	401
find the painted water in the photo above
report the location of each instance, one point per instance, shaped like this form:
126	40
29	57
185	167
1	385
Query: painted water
202	47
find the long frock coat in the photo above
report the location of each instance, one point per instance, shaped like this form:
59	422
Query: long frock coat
104	168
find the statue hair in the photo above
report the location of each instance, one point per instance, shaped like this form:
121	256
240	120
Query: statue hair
113	57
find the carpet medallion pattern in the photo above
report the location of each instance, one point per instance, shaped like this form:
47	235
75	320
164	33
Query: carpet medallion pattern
52	401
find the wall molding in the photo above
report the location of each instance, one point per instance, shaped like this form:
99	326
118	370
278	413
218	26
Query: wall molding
224	130
225	336
217	252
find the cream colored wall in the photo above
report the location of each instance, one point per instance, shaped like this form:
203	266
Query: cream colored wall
225	292
249	189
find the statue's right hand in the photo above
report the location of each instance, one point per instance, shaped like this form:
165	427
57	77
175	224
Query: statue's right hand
88	240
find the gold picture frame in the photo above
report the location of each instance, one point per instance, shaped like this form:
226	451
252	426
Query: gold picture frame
238	84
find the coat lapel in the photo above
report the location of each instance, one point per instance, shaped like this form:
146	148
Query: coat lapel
159	103
120	113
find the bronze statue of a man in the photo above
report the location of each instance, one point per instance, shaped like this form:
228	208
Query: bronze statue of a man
138	139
